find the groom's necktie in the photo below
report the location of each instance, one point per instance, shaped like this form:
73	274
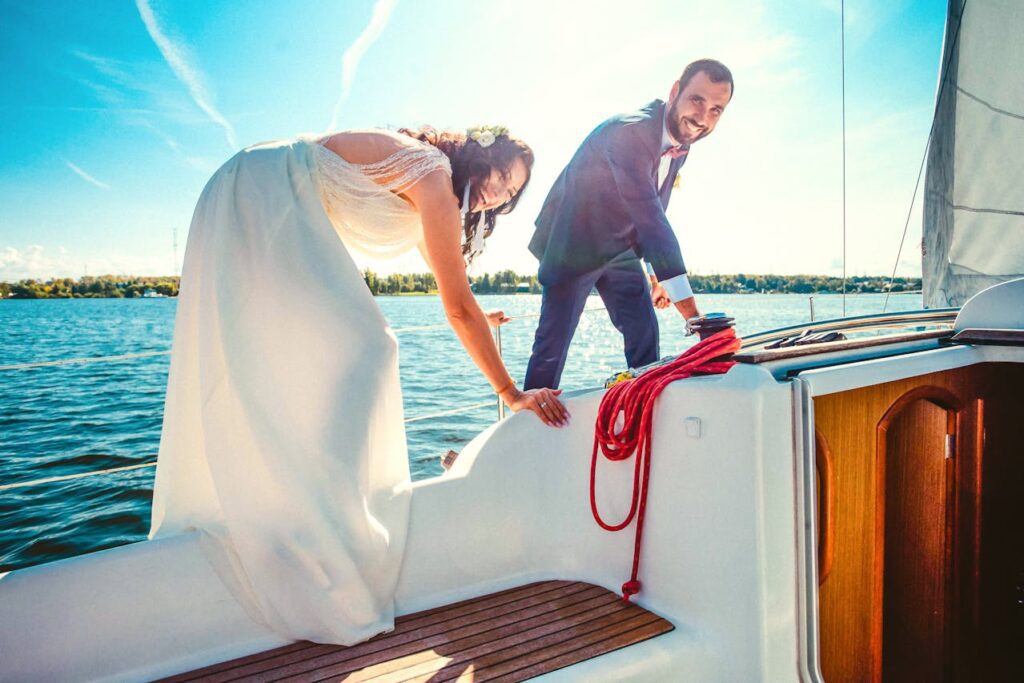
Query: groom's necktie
676	152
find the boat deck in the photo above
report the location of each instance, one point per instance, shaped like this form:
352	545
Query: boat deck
512	635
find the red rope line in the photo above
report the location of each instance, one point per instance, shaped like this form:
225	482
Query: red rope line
634	401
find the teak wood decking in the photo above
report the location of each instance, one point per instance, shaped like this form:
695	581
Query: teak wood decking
508	636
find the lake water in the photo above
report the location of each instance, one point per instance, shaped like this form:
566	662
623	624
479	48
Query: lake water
75	418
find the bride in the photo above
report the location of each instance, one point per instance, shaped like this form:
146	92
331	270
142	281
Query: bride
283	434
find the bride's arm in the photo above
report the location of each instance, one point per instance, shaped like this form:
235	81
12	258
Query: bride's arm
442	248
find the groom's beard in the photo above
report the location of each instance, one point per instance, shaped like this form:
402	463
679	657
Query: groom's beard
677	133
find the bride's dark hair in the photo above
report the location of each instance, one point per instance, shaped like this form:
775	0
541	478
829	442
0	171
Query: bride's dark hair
472	163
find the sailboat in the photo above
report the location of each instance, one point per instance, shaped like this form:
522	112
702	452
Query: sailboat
843	510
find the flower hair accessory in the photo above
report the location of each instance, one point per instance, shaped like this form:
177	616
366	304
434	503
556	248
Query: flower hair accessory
485	135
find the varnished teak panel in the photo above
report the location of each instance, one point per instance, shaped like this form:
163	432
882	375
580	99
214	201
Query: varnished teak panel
926	551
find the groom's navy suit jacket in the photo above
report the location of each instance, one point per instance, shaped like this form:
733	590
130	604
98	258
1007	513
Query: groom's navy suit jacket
606	206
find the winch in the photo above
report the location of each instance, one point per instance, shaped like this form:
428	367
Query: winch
704	326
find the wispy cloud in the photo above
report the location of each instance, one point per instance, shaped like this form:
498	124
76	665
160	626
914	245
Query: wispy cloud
86	177
205	165
354	54
41	263
185	72
35	262
133	88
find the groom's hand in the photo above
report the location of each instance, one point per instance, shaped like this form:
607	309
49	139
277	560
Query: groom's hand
658	295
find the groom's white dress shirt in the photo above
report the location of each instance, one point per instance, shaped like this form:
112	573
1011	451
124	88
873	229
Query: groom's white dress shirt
678	287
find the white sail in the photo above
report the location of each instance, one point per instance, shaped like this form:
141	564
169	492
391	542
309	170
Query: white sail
974	192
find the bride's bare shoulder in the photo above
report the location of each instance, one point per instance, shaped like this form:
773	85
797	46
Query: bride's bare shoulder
368	145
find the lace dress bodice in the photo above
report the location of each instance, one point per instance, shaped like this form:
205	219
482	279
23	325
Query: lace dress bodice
362	200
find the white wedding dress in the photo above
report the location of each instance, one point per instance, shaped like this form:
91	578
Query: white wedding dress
283	434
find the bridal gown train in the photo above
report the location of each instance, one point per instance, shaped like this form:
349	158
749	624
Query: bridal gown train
283	435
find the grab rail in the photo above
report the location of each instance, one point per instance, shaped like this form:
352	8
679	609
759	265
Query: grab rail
862	323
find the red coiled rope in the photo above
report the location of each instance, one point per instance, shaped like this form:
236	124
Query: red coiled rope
634	400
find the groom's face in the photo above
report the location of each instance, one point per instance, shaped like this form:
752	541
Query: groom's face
694	111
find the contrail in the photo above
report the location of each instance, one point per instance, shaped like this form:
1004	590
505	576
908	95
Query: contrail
185	73
85	176
350	60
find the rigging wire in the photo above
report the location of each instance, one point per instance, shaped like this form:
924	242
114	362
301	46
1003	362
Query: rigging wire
152	463
150	354
842	50
131	356
93	359
927	145
79	475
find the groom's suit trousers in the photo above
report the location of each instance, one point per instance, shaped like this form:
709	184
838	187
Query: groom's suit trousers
625	291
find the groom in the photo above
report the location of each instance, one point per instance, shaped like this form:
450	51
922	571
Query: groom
606	212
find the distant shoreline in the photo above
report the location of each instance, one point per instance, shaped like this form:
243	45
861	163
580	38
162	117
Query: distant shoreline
434	293
424	284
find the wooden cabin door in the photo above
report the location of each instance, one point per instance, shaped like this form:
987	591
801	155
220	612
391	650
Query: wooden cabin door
915	446
898	513
921	550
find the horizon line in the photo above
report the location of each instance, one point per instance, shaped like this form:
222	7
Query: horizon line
51	278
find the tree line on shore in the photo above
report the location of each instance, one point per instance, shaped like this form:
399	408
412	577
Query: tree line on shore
91	287
502	282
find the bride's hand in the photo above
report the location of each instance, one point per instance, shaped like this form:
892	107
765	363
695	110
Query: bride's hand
543	402
496	318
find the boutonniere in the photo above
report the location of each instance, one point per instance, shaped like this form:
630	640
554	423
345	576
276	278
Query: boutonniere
675	183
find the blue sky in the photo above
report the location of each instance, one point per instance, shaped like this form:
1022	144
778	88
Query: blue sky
115	113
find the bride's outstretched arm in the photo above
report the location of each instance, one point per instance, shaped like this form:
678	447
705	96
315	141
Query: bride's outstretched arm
442	248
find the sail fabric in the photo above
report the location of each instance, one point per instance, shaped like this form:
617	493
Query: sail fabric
974	193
